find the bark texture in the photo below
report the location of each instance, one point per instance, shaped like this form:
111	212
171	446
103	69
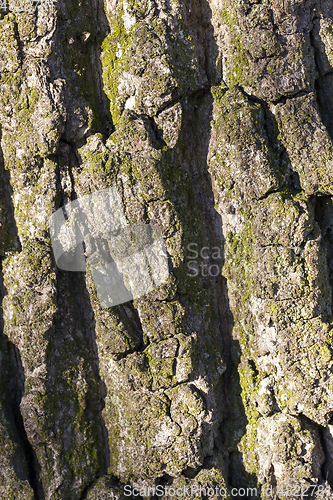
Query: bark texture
213	118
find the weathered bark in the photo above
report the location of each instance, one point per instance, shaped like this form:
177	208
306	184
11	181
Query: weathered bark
213	119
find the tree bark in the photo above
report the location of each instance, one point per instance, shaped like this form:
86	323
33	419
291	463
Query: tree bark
213	121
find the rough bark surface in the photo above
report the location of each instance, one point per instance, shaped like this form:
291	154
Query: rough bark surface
213	118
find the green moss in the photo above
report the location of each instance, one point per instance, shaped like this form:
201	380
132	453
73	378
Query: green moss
162	370
114	62
249	381
240	73
298	120
219	92
240	259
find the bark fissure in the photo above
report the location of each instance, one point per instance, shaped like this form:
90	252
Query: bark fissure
212	121
12	391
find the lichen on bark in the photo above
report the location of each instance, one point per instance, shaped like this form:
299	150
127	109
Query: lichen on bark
213	121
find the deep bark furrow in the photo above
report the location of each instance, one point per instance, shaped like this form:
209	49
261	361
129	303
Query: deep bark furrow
213	121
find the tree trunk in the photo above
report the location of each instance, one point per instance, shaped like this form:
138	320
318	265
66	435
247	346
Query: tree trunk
212	120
